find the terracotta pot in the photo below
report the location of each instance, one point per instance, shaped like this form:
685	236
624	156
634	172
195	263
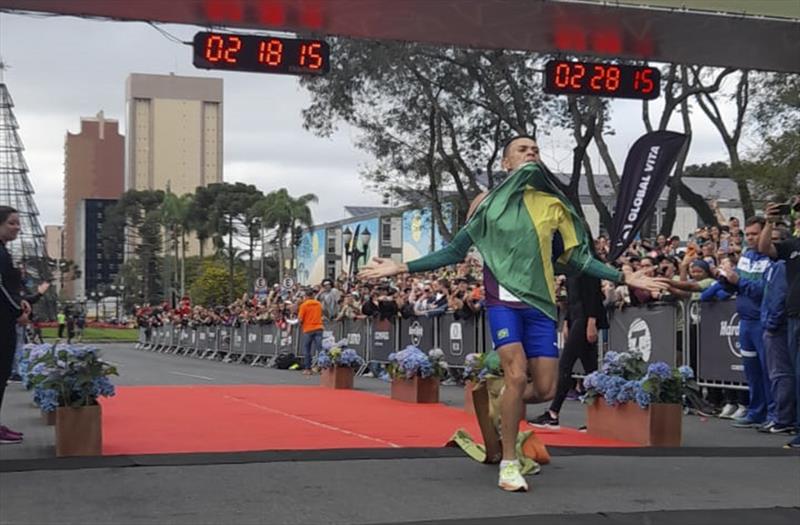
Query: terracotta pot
338	377
469	403
416	390
49	418
659	425
79	431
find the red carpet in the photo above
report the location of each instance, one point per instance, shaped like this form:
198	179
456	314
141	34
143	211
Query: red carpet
176	419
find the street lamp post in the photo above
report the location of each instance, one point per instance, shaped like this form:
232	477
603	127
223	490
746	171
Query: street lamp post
353	250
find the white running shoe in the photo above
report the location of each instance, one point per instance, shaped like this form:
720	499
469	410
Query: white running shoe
727	411
511	478
740	412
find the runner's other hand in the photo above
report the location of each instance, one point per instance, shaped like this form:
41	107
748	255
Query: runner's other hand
381	267
643	282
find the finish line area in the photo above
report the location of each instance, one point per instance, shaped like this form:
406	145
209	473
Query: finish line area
255	445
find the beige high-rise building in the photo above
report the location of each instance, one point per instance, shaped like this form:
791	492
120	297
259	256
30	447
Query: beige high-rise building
53	241
174	133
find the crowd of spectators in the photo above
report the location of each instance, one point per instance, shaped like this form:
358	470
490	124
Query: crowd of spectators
692	265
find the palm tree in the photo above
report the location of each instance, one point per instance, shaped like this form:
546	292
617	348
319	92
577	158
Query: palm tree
286	215
178	220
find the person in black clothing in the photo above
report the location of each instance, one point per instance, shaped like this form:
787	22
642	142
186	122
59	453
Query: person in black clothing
586	316
11	308
789	251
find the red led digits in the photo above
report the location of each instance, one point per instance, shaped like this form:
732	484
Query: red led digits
217	49
260	54
214	48
310	56
270	52
230	53
575	81
642	81
597	78
564	77
561	77
612	78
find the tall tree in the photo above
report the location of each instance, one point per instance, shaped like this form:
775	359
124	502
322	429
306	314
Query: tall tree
732	135
138	214
286	215
433	118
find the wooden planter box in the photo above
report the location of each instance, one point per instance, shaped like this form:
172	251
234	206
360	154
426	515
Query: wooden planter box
79	431
656	426
416	390
49	418
469	403
339	377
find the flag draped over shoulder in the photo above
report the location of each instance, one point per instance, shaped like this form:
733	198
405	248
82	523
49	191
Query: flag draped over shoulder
516	245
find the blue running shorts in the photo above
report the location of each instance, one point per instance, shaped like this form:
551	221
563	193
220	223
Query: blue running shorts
528	326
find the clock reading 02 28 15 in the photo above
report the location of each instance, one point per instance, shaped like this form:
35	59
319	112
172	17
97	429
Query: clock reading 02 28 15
565	77
260	54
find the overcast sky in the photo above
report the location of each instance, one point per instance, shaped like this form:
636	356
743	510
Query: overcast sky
62	69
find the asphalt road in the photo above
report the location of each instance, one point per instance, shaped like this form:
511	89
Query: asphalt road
722	475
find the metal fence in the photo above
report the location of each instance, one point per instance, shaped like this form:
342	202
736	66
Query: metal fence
703	335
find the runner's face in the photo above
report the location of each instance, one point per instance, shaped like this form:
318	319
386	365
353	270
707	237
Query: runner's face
519	152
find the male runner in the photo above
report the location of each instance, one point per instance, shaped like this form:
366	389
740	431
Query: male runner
513	227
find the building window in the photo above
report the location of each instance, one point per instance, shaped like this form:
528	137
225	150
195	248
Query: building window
386	233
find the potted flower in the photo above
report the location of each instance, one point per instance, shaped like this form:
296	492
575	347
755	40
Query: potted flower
474	371
630	400
416	375
68	381
338	364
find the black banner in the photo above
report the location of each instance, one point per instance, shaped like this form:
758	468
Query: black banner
646	172
719	356
649	330
457	338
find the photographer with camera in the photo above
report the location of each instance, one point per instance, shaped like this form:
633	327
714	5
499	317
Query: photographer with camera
788	251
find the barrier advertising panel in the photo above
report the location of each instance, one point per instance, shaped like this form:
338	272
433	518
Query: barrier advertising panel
457	338
417	331
224	339
237	341
355	333
719	355
646	329
382	338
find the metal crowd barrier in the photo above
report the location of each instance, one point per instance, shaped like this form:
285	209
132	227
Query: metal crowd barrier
704	335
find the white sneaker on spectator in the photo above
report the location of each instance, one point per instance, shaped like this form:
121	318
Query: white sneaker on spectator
740	412
728	410
510	478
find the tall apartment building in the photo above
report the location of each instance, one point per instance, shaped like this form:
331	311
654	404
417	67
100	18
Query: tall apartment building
174	132
94	168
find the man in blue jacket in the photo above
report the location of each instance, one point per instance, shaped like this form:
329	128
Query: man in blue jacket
776	344
748	283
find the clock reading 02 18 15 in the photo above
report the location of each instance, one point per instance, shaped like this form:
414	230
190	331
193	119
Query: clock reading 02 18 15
260	54
566	77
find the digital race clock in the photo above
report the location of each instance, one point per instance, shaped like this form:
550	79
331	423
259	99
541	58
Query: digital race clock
563	77
260	54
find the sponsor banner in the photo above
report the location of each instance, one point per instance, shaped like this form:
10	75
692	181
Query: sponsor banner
382	338
457	338
647	170
417	331
719	356
649	330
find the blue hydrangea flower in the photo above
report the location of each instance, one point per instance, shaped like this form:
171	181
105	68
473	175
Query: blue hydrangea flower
660	370
686	372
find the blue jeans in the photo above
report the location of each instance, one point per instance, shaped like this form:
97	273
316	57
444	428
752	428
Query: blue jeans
751	338
311	339
794	357
781	375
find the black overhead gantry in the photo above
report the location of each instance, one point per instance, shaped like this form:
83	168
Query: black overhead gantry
748	34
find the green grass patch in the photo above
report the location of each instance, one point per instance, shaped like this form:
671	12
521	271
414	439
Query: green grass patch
90	335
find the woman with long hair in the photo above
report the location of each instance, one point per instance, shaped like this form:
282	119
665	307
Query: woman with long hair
12	307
